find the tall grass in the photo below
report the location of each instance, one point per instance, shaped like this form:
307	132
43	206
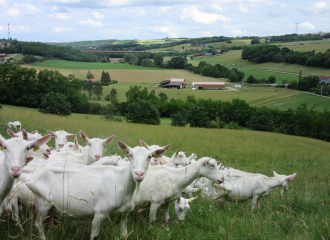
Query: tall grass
303	212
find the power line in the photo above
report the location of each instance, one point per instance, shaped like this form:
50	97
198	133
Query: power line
8	32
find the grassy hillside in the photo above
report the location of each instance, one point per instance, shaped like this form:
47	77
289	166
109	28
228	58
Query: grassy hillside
234	57
318	46
303	212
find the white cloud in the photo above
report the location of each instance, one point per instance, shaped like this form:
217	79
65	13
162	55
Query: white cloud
217	7
61	29
2	2
31	8
62	16
236	31
161	29
136	11
243	9
164	9
201	17
307	26
1	28
321	5
89	22
98	15
207	34
13	12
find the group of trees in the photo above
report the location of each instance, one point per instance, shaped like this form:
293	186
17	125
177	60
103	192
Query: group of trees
25	87
295	37
52	52
272	53
252	79
145	107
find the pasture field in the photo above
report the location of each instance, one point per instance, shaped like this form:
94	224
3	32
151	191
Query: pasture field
302	213
253	95
319	103
234	57
317	45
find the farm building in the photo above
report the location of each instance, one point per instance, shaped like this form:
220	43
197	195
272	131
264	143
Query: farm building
176	83
4	44
93	80
325	79
3	55
209	85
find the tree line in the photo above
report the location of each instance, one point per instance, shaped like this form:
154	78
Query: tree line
272	53
50	52
146	107
294	37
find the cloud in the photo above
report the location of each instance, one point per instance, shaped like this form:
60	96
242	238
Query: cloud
243	9
201	17
164	9
98	15
161	29
307	26
217	7
59	29
2	2
135	11
321	5
236	31
13	13
89	22
1	28
62	16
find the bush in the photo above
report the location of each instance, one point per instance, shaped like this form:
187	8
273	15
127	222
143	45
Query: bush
197	117
55	103
143	111
178	120
234	125
262	120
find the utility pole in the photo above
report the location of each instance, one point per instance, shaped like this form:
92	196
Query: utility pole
321	89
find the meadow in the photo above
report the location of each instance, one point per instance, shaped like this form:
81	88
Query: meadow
282	69
304	46
302	213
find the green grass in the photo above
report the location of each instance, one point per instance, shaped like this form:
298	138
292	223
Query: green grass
317	45
303	212
89	65
319	102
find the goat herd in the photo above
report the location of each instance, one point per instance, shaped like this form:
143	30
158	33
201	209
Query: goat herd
79	182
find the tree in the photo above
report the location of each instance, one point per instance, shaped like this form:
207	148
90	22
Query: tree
163	97
102	76
255	41
107	77
89	75
98	90
143	111
158	59
55	103
251	79
197	117
262	120
113	96
178	120
272	79
89	88
233	77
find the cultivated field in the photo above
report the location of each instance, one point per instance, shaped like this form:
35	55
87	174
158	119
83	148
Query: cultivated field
303	212
318	45
234	57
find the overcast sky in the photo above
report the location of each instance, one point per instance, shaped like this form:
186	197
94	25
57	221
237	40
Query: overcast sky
78	20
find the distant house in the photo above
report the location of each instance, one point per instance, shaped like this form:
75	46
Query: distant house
93	80
218	50
209	85
325	79
3	55
4	44
263	39
208	54
176	83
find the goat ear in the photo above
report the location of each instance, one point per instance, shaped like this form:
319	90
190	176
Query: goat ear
177	151
51	133
104	150
192	199
83	136
206	161
144	144
40	141
185	153
76	141
157	153
167	147
51	148
109	140
292	176
275	174
29	159
71	136
124	148
35	131
179	199
25	135
11	133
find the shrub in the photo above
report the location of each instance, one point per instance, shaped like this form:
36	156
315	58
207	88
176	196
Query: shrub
143	111
262	120
178	120
55	103
197	117
234	125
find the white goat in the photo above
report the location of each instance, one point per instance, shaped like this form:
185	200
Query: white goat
71	147
182	206
15	157
61	138
163	184
94	192
241	186
17	125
